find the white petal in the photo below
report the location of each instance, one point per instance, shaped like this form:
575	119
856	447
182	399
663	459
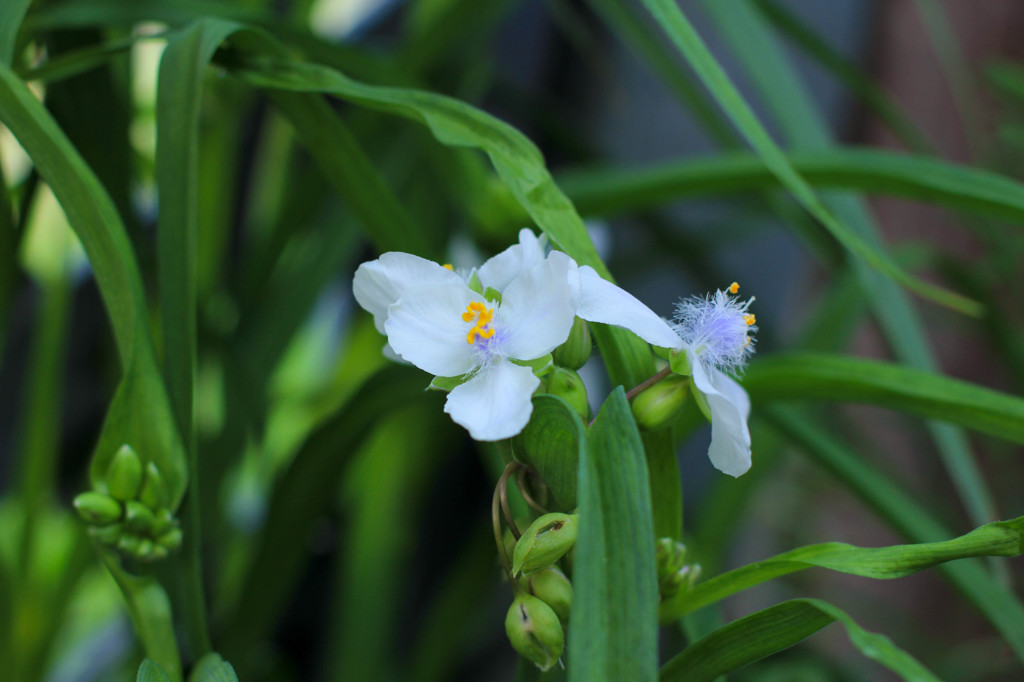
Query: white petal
426	328
536	312
499	271
601	301
379	283
730	408
495	404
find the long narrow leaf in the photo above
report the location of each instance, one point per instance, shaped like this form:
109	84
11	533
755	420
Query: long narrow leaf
682	33
808	376
613	627
776	628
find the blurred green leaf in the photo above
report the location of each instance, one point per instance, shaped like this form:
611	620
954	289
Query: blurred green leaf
11	14
889	499
613	626
809	376
676	25
609	192
776	628
1002	538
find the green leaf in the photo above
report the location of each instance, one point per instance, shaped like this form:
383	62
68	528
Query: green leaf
613	626
152	672
889	499
1002	538
552	443
831	377
11	14
213	668
776	628
796	114
883	173
140	413
453	123
678	28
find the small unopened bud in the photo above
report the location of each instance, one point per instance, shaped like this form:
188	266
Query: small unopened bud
138	516
534	631
97	508
659	405
683	579
544	542
552	587
669	556
144	550
152	493
108	535
575	352
170	540
567	385
124	475
129	544
163	520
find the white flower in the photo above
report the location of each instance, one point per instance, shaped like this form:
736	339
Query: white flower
436	321
713	332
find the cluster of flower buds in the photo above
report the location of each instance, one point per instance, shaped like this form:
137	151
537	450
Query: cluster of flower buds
537	619
674	574
128	512
562	380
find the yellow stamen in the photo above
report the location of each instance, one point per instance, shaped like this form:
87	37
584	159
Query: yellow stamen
749	319
448	266
734	287
483	316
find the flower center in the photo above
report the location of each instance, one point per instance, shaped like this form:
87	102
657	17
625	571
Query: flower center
482	316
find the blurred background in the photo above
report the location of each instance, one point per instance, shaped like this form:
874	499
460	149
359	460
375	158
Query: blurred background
397	578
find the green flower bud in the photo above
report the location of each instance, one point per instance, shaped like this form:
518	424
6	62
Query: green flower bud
575	352
669	556
97	508
552	587
152	493
683	579
124	475
159	552
534	631
144	550
163	521
129	544
659	405
108	535
171	540
544	542
567	385
138	516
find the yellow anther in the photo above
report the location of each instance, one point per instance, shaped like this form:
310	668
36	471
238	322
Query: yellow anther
749	319
483	315
734	287
448	266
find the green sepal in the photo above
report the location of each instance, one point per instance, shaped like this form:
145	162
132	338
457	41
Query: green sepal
447	383
475	284
540	366
554	589
544	542
492	295
663	353
534	631
124	475
97	508
679	361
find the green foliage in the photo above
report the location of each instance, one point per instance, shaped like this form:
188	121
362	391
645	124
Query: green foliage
258	479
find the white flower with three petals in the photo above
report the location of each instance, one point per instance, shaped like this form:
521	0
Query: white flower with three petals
434	320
